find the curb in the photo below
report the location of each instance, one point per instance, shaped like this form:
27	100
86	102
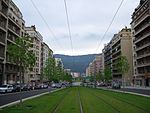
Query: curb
126	92
28	98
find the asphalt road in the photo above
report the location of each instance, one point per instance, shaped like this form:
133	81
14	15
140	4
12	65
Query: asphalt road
12	97
140	91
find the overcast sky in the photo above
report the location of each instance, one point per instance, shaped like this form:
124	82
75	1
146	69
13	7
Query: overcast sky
89	20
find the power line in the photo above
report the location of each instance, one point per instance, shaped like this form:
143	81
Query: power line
46	23
68	24
110	24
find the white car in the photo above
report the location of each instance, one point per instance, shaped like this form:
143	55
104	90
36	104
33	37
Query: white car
6	88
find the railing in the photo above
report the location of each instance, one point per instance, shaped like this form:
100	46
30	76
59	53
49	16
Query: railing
14	29
3	24
142	36
142	46
2	39
141	17
6	1
2	52
143	28
4	12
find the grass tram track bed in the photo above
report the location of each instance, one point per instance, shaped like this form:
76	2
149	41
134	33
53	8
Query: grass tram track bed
72	100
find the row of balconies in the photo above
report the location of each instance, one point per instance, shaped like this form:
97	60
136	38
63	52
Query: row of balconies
144	10
143	52
143	24
143	45
14	29
6	2
143	70
142	36
146	26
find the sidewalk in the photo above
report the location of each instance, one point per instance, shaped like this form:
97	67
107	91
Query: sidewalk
130	90
136	87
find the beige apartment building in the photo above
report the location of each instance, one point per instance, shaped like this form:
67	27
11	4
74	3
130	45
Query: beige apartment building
11	27
46	53
35	74
122	45
141	43
96	66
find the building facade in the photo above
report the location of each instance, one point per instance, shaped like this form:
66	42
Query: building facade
122	45
141	41
11	27
34	75
46	53
96	66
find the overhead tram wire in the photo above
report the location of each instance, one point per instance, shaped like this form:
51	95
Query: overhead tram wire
46	24
111	22
68	24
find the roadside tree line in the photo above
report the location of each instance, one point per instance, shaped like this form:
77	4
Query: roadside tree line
121	65
21	55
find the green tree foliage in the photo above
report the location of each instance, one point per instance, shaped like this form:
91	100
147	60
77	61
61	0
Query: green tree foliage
107	74
49	68
55	73
99	76
122	65
20	53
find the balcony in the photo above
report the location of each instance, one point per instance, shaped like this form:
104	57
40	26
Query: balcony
145	53
143	64
6	2
145	35
2	38
3	25
142	17
142	46
14	21
4	13
141	29
2	50
14	30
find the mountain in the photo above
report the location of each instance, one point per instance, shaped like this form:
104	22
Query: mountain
76	63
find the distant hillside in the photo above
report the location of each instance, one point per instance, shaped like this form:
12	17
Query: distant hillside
76	63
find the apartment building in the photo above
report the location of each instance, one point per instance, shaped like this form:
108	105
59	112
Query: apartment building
46	53
35	74
96	66
141	40
107	51
122	45
11	27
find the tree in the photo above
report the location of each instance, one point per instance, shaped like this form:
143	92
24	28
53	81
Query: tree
21	55
99	76
49	68
107	74
122	65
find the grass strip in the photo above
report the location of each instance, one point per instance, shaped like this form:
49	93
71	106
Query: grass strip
43	104
134	100
123	107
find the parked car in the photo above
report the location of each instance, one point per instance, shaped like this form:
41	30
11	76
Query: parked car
116	85
16	87
6	88
53	85
56	85
45	86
